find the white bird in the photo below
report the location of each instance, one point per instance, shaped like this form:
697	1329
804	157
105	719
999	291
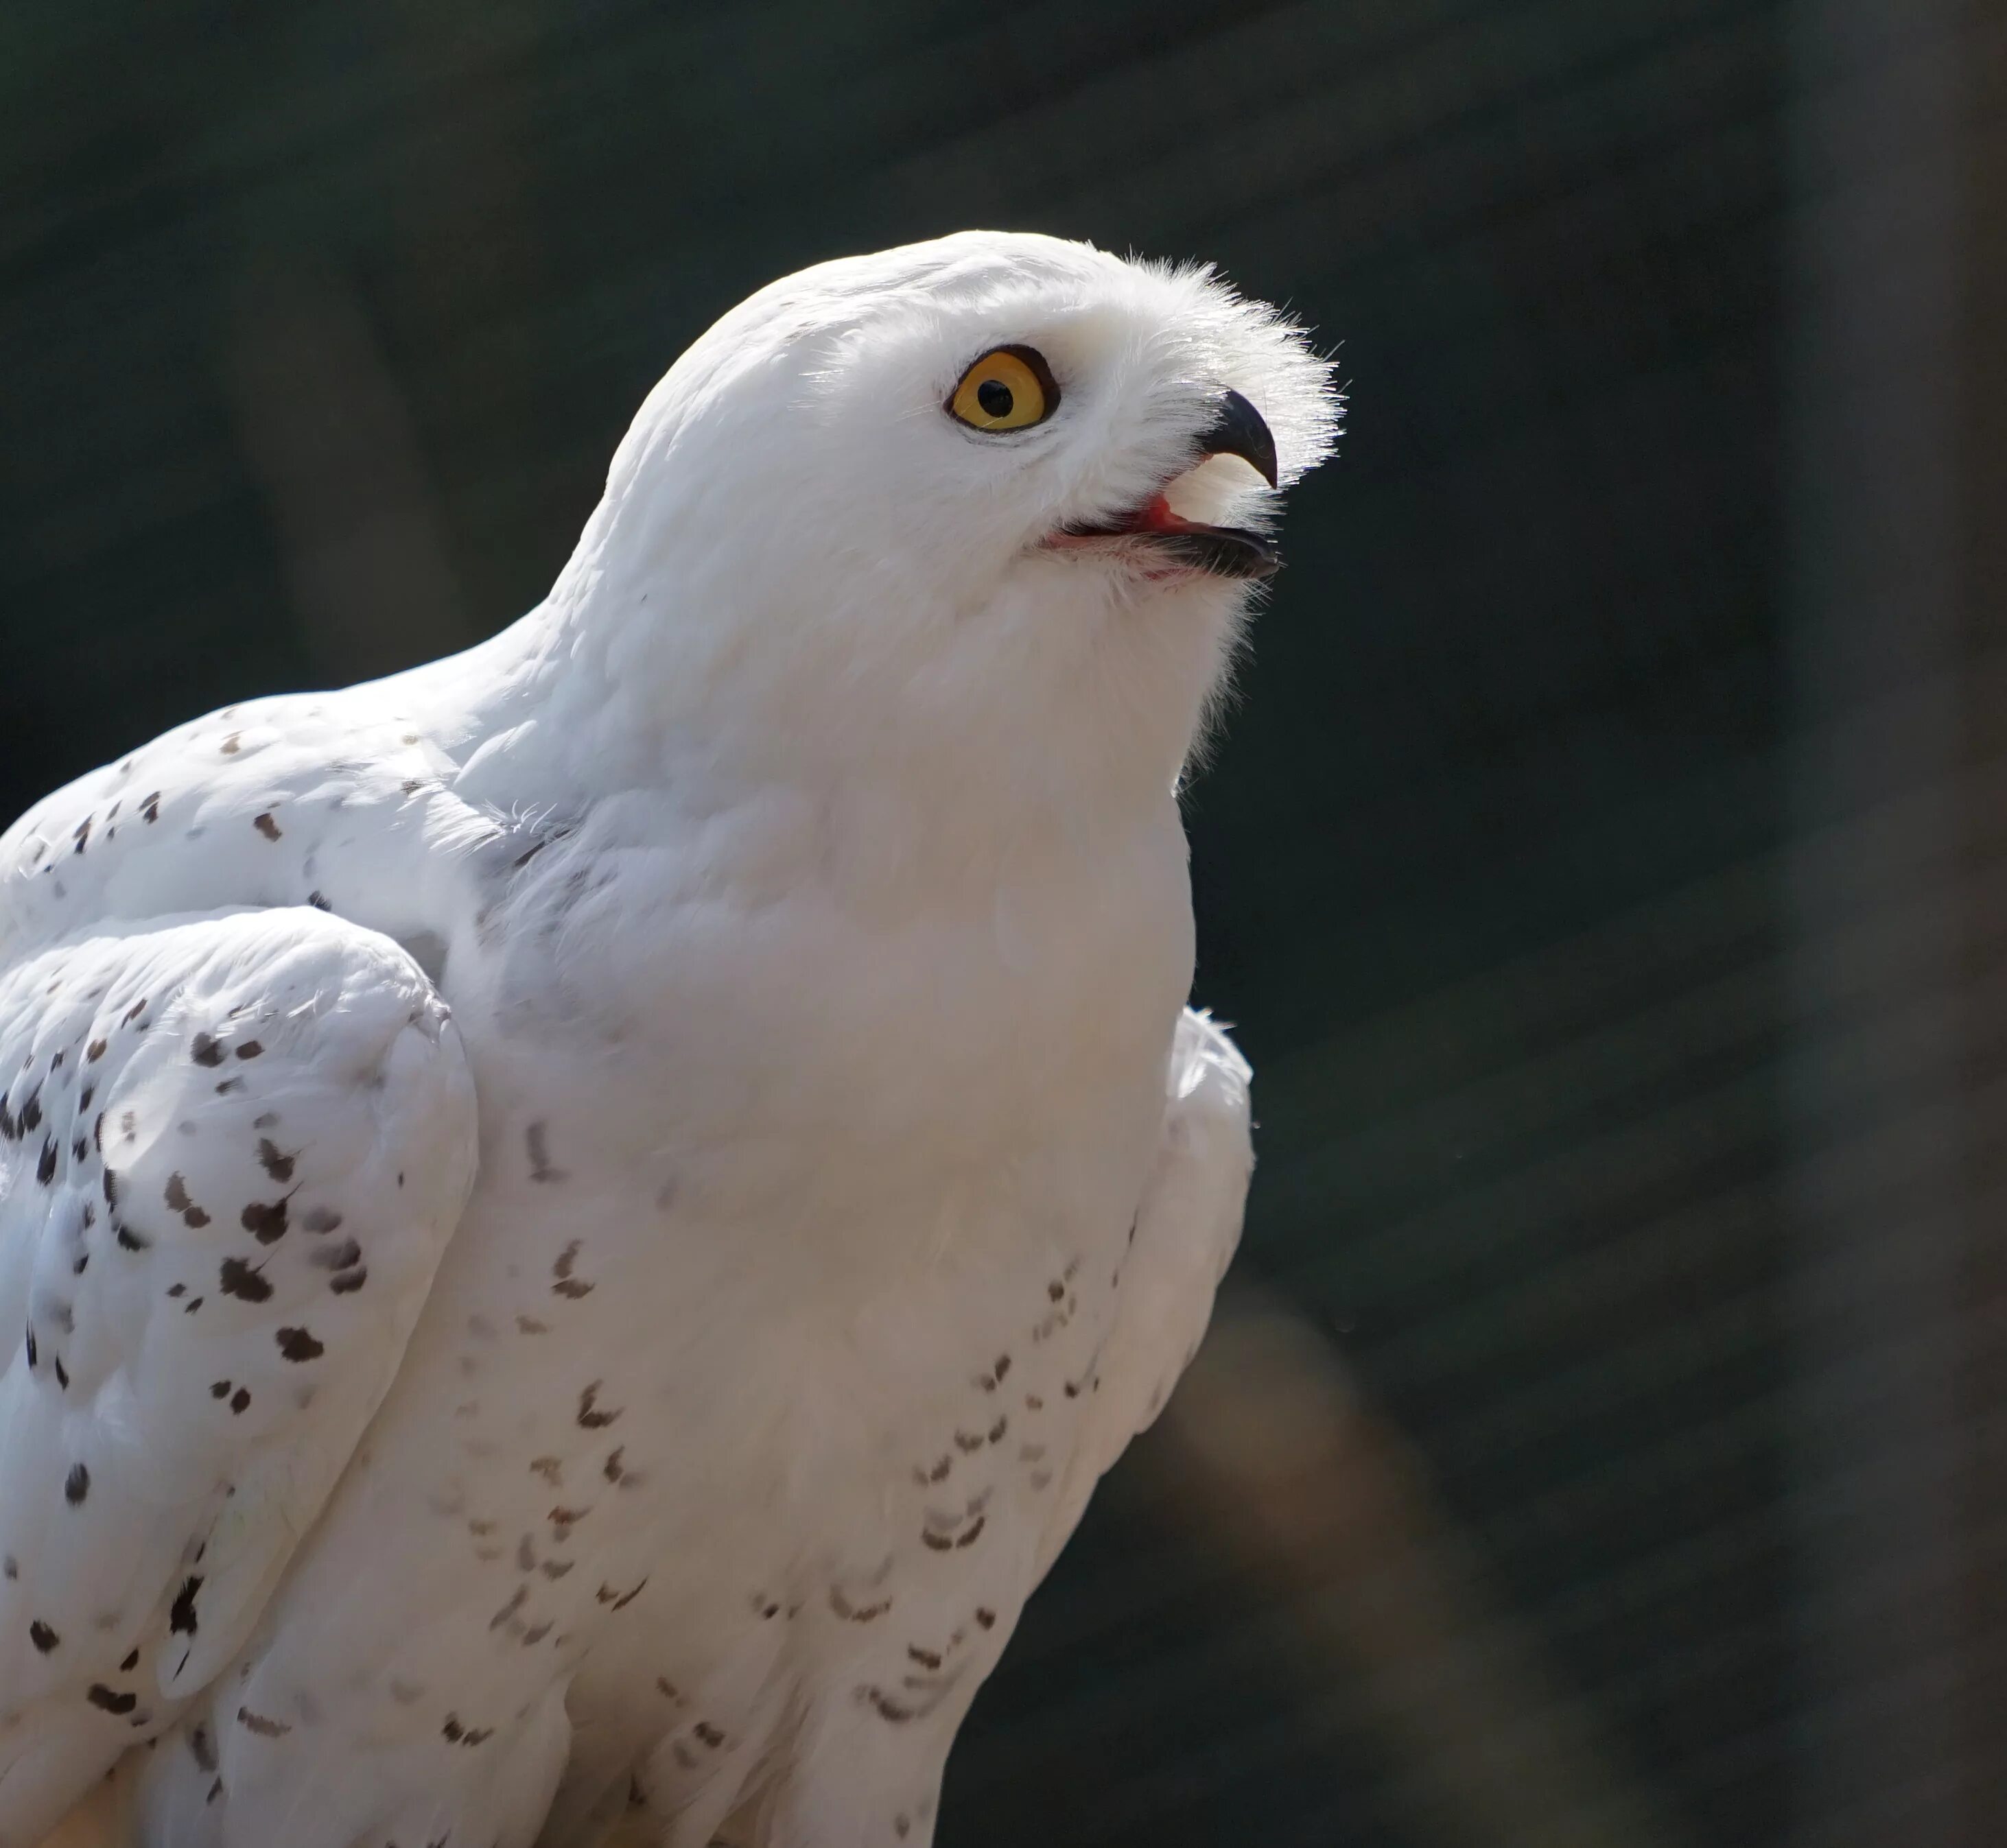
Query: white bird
579	1222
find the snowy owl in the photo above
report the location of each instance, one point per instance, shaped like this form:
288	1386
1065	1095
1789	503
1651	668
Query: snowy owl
578	1223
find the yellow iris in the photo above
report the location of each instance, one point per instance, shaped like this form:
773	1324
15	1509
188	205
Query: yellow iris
1010	388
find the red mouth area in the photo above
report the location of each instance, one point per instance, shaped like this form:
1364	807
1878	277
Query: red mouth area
1184	545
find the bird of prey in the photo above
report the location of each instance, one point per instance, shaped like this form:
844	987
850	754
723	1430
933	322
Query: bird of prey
578	1224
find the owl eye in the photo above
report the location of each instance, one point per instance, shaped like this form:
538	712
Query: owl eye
1010	388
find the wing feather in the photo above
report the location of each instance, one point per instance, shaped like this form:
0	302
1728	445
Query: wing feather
1187	1225
232	1149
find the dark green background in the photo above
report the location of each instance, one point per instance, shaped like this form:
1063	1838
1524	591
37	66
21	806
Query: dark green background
345	305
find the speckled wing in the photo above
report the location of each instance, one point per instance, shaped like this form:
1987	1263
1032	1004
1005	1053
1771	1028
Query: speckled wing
232	1150
1185	1230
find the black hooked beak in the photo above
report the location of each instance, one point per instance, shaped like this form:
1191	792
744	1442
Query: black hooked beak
1238	431
1153	531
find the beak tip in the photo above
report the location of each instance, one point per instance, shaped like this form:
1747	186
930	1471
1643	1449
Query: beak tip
1238	429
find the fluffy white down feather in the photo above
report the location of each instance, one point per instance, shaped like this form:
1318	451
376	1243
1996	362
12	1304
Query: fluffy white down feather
583	1220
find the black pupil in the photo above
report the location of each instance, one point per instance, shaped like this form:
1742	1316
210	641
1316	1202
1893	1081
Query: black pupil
994	396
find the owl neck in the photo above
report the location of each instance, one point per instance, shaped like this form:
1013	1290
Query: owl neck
949	748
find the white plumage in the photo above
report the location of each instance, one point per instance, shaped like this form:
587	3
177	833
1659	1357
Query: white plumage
582	1220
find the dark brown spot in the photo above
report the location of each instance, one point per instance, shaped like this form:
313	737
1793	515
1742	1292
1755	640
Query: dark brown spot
591	1418
856	1613
452	1730
241	1279
250	1049
265	1220
321	1219
297	1345
181	1619
112	1702
708	1734
42	1636
319	903
926	1658
205	1050
238	1400
266	825
987	1619
203	1748
258	1723
968	1539
76	1485
45	1168
279	1166
347	1282
178	1198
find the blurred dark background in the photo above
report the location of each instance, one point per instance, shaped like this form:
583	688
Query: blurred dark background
1602	867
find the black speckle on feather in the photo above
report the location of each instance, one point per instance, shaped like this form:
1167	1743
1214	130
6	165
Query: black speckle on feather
181	1619
238	1279
297	1344
265	1220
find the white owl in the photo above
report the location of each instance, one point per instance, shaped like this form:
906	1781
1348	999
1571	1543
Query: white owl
578	1225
